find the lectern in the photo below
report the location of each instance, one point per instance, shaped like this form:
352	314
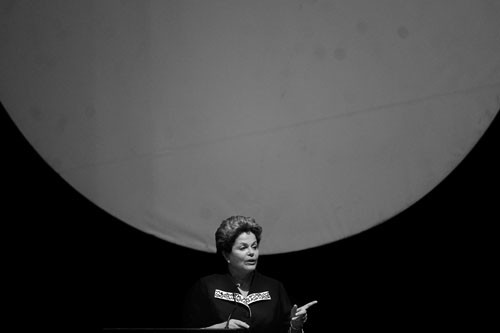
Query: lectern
178	330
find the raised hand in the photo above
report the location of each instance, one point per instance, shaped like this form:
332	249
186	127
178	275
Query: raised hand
298	316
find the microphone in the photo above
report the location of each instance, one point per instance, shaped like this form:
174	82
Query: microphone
234	308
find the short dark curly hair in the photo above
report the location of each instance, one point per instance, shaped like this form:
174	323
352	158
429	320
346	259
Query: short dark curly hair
231	228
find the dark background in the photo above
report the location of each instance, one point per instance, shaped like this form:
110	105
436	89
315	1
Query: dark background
433	264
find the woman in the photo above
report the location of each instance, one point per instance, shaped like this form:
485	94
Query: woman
242	298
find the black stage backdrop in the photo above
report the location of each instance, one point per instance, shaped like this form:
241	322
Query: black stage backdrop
433	264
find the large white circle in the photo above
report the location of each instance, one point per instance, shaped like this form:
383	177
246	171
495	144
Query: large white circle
320	119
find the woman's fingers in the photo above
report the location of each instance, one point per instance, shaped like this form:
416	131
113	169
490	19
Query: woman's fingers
239	323
300	314
301	317
306	306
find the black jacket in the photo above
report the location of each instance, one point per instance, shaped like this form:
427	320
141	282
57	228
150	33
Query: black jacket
213	298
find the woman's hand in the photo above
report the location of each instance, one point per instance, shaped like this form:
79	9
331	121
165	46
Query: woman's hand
233	323
298	316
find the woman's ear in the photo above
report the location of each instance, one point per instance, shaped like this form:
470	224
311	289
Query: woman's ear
226	256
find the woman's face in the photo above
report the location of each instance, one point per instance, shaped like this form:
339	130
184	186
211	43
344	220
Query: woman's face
245	253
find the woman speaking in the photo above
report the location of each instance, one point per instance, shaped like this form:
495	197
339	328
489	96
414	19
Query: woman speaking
243	297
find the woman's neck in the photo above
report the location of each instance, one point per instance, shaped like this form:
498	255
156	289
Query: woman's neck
241	279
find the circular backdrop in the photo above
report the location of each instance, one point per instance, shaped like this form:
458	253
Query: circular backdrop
320	119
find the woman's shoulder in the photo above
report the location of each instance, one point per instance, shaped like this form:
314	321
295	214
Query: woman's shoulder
207	284
261	278
215	280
